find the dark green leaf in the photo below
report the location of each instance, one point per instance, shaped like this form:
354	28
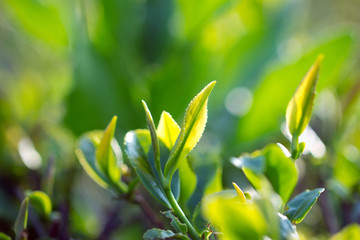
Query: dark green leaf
299	206
137	147
175	222
155	233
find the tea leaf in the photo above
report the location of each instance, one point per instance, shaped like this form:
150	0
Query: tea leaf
41	202
228	214
137	146
3	236
287	229
21	219
104	154
299	109
168	130
239	192
191	130
271	162
299	206
85	152
175	222
154	140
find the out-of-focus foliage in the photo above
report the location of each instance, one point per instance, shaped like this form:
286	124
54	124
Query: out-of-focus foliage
67	67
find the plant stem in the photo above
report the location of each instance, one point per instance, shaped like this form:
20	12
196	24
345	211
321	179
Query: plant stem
294	146
181	215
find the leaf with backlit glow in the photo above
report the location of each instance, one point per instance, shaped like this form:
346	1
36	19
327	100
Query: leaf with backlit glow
191	130
299	109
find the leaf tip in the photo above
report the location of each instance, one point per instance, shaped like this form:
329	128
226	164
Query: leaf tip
239	192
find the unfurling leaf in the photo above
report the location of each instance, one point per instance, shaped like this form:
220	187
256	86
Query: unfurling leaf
100	155
299	206
104	153
168	130
191	130
154	139
299	109
85	152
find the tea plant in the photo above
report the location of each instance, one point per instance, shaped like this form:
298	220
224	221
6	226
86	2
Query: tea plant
159	157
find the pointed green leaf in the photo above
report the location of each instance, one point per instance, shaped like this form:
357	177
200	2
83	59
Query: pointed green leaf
105	157
191	130
156	233
271	162
240	193
3	236
137	147
299	109
41	202
154	139
175	222
21	220
168	130
299	206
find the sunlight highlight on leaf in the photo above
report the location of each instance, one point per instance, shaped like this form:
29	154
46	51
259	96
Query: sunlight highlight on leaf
299	109
191	130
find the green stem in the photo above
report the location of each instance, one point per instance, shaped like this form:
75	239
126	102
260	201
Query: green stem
181	215
294	146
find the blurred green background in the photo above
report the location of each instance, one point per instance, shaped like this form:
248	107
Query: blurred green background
67	67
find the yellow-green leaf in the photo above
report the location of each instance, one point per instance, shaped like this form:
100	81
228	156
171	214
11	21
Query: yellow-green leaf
234	219
351	231
239	192
41	202
191	130
154	138
168	130
4	236
105	157
299	109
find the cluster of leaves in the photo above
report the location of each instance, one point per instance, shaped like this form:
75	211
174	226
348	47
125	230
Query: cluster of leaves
159	157
39	201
